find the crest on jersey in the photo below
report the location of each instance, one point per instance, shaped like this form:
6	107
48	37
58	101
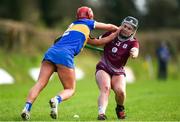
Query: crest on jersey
114	49
125	46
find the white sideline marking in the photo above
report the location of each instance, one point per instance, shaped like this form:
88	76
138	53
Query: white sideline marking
5	77
34	73
130	78
79	73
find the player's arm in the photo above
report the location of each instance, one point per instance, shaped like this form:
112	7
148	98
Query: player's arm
103	26
134	51
102	40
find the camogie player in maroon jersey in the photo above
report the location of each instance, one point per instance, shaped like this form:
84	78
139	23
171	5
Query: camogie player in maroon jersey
110	72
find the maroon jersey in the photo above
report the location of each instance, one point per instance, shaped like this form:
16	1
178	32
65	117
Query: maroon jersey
117	52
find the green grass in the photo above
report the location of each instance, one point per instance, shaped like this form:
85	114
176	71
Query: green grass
146	99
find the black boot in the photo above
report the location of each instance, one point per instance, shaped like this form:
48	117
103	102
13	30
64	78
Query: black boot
101	117
120	112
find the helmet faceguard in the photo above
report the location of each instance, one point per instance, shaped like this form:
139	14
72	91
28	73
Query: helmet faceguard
132	21
84	13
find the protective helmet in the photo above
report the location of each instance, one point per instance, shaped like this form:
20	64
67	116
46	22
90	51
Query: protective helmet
84	13
131	20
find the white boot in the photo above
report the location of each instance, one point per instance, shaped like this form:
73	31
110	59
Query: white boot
54	108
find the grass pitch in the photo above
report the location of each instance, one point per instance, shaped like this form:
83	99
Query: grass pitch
147	100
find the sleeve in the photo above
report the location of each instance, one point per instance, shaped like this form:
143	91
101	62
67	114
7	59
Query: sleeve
57	39
135	44
134	51
91	24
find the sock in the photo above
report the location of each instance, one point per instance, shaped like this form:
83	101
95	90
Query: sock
120	107
101	110
58	98
28	106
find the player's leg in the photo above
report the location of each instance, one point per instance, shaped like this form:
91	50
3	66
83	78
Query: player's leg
103	80
67	77
119	87
47	68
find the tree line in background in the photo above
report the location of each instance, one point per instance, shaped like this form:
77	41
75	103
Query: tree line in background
159	13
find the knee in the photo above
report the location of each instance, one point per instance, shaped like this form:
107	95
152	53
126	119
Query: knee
106	89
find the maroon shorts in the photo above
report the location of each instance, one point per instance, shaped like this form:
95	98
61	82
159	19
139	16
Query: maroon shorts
111	71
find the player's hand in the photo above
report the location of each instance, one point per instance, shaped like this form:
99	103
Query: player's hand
134	52
119	28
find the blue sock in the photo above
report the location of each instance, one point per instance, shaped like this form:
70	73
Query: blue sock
58	98
28	106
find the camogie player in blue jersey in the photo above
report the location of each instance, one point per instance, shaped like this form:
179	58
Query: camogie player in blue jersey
60	57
